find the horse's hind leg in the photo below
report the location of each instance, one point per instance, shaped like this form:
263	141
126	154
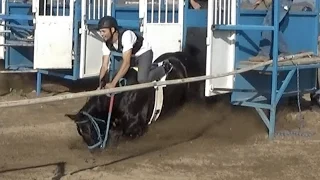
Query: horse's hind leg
136	130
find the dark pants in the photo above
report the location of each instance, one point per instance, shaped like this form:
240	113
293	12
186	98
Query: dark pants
266	42
203	4
145	71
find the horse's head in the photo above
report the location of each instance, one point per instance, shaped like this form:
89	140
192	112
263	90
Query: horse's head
91	120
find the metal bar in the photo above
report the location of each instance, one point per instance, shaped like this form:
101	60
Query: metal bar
99	5
229	12
166	15
264	118
276	5
252	104
224	12
284	85
44	7
173	10
17	71
127	88
103	7
58	7
159	11
215	12
243	27
152	10
64	8
51	8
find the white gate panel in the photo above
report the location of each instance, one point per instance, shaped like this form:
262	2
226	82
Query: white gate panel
164	33
91	41
220	45
93	55
53	36
2	33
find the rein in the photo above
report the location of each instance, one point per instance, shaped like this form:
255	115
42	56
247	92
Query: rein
101	140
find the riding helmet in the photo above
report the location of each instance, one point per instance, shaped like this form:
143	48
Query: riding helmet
107	22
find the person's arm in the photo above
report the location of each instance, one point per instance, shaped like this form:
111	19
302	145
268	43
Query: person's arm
128	40
105	63
104	68
194	4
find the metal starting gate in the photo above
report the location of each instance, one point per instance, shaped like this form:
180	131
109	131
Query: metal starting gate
220	45
53	36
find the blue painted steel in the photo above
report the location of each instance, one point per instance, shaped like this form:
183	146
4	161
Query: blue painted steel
39	79
274	68
283	80
247	46
243	27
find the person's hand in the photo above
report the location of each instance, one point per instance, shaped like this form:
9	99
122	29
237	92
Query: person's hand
195	5
109	86
258	2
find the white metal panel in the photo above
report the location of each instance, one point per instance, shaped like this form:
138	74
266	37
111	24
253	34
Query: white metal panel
93	55
162	39
165	33
220	45
91	41
2	33
53	36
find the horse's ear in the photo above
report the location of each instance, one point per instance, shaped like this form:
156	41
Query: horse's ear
71	116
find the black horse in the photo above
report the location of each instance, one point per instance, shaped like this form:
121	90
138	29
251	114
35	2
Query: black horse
132	110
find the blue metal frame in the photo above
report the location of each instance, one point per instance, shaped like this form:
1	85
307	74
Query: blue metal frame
278	89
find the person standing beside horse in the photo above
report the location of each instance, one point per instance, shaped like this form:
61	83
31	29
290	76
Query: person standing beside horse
130	44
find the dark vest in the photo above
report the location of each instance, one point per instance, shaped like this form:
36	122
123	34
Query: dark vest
136	45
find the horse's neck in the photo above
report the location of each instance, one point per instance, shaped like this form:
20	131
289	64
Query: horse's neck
96	106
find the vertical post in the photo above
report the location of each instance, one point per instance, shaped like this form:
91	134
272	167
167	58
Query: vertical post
39	80
109	7
276	5
83	31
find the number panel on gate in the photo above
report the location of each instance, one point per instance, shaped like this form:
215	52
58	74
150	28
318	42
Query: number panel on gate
53	36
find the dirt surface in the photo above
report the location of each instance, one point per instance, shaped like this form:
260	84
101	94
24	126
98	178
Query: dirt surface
201	141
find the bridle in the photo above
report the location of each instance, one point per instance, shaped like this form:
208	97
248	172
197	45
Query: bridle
102	138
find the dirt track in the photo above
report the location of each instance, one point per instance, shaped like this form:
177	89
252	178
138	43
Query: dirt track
217	142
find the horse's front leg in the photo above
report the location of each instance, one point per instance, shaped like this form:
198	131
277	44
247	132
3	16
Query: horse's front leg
115	133
114	137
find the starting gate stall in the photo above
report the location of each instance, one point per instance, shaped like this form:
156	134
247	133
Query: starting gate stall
234	33
66	42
